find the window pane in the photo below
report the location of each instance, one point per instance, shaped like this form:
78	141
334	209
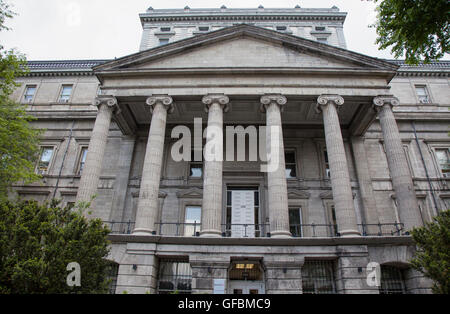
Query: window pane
318	277
295	222
174	276
192	220
196	171
289	157
65	93
29	92
163	41
290	171
82	159
391	280
44	159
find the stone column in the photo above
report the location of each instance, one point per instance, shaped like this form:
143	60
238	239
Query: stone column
147	210
407	205
213	165
371	215
276	178
94	159
340	178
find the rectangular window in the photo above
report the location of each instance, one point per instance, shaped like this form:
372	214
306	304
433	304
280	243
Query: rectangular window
174	276
295	221
333	221
318	277
203	28
422	94
82	161
66	92
165	29
45	158
320	28
392	281
291	165
323	40
30	90
443	159
195	167
192	220
326	165
281	28
163	41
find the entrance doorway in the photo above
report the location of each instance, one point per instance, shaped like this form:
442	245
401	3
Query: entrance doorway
246	277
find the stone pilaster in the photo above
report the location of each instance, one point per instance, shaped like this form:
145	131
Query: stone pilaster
340	178
276	178
147	210
90	176
215	104
407	205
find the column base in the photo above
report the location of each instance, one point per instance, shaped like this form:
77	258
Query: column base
142	231
349	233
280	234
210	234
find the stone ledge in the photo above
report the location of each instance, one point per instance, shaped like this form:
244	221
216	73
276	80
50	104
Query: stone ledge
126	238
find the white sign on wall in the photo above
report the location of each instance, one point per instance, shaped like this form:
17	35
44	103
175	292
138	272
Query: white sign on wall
219	286
243	214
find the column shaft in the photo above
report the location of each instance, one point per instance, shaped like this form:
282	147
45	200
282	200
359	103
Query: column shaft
407	205
340	178
94	159
276	178
213	166
147	210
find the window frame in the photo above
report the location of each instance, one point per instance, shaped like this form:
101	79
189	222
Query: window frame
313	265
419	97
50	162
78	169
27	86
185	223
60	100
295	163
300	210
176	277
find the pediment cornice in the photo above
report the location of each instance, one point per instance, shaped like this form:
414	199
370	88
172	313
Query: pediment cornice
295	43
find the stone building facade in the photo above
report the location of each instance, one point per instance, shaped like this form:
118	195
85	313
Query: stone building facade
364	153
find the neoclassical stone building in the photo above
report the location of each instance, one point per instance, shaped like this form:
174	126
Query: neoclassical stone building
363	158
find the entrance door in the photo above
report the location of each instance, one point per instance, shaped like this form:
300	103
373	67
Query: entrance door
246	287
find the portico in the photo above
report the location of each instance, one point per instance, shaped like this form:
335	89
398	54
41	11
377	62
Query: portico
286	97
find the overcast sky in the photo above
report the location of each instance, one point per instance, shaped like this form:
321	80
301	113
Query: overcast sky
104	29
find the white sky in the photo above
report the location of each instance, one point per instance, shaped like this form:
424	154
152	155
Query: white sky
104	29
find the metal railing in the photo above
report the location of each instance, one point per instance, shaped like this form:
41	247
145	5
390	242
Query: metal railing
245	230
120	227
259	230
313	230
186	229
380	229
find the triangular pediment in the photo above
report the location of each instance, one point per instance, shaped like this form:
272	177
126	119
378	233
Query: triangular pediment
190	193
245	46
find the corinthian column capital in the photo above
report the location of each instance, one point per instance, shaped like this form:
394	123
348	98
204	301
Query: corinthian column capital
324	100
382	100
164	100
220	99
110	101
269	99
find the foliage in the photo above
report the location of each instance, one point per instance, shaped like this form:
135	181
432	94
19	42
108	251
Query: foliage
418	29
433	251
37	242
18	139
